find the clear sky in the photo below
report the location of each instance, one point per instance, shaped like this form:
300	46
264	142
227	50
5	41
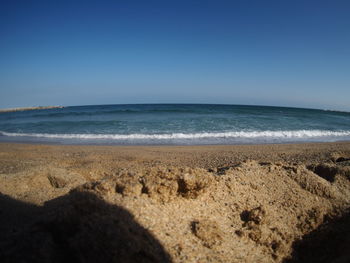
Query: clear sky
287	53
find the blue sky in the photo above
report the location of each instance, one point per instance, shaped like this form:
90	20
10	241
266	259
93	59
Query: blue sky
285	53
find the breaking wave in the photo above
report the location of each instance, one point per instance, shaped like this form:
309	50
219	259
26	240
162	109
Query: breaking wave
297	134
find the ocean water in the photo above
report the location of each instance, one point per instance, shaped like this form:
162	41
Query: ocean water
180	124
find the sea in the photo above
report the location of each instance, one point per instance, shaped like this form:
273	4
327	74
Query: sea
174	124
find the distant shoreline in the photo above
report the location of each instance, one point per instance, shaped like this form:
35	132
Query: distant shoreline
30	108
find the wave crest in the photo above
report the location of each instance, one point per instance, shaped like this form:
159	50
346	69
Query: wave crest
297	134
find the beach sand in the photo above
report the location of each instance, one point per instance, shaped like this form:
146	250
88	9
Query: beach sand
242	203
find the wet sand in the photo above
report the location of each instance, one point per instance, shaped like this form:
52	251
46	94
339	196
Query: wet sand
243	203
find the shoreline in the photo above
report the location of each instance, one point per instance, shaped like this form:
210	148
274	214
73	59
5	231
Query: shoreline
30	108
222	203
196	155
87	142
194	146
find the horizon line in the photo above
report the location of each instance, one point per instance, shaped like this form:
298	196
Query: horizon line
168	103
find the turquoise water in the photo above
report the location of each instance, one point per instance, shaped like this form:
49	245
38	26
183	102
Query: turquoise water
174	124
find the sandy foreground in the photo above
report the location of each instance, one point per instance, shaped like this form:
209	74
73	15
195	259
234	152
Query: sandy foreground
267	203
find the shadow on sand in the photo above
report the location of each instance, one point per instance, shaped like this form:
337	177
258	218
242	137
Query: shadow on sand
78	227
330	242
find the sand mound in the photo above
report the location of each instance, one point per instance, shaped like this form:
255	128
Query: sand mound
252	211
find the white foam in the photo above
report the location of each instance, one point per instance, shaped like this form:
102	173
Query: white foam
299	134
